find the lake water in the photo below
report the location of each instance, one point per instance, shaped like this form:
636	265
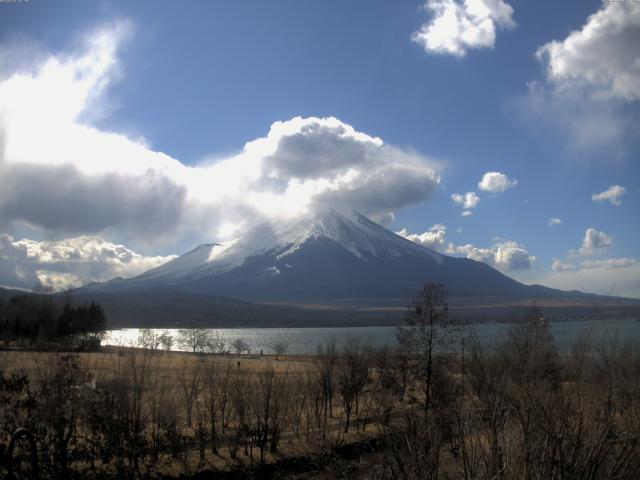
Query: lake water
307	340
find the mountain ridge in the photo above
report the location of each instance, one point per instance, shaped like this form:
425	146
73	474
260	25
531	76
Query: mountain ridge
328	269
328	256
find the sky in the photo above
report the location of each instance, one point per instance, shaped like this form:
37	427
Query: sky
500	130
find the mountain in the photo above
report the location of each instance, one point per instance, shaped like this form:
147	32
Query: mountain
328	258
329	268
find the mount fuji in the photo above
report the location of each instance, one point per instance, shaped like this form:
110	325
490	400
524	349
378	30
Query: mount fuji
328	260
327	256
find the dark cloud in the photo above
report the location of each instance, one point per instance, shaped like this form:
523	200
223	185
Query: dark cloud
64	200
320	151
385	188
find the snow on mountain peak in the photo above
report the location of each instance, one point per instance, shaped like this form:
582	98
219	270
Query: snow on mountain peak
184	263
351	230
218	249
348	229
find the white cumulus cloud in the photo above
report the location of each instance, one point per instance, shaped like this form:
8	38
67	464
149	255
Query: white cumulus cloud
433	238
591	76
457	26
496	182
604	55
612	195
615	276
554	221
467	200
595	241
609	263
618	276
562	266
504	255
59	265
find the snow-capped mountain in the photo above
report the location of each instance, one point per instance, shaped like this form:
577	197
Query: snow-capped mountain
329	255
351	231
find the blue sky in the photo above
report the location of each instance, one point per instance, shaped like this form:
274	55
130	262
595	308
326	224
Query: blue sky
198	80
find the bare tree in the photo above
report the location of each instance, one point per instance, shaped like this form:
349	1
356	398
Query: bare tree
240	410
263	410
215	343
211	388
529	349
148	339
353	376
280	347
326	365
189	380
193	339
239	345
166	340
298	404
428	331
223	392
314	404
60	401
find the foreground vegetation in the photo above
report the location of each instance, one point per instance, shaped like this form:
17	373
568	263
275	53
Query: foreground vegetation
435	407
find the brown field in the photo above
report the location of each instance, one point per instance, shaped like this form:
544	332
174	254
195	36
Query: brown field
166	382
515	410
110	359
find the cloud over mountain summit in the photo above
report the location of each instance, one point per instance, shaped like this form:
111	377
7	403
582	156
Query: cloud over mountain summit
61	175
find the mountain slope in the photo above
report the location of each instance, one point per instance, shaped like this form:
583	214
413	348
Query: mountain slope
331	268
329	257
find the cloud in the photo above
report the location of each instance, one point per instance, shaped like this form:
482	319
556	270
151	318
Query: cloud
588	128
609	263
321	149
595	241
603	56
506	255
485	255
457	26
467	213
467	201
612	195
60	198
59	265
615	276
387	186
496	182
591	77
562	266
511	256
61	176
554	221
433	238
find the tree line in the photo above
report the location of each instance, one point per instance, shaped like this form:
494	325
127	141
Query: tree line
39	320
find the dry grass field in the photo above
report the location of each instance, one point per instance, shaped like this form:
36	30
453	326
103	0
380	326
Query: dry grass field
512	410
258	402
110	359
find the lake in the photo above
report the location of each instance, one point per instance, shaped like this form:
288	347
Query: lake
307	340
